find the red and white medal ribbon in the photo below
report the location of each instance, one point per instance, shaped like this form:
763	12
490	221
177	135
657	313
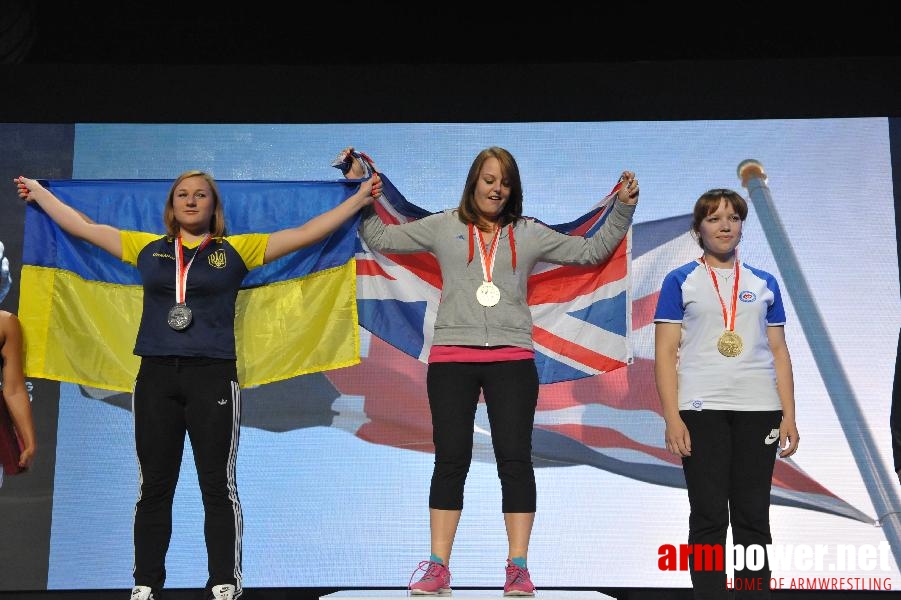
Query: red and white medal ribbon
488	294
181	269
730	343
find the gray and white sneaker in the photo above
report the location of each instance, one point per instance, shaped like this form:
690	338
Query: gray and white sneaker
141	592
223	592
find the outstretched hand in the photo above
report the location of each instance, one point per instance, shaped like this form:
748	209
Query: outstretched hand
372	188
358	171
26	187
628	190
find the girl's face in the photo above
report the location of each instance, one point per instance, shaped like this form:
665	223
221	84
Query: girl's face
492	190
720	231
193	204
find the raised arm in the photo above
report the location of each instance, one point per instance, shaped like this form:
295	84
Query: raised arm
69	219
14	386
575	250
415	236
288	240
666	348
614	229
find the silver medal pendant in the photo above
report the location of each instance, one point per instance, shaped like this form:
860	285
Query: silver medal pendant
488	294
179	317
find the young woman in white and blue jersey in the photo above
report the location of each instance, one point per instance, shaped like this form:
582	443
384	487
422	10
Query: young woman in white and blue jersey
187	382
724	377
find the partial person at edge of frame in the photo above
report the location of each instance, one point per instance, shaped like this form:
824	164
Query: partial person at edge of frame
13	390
895	417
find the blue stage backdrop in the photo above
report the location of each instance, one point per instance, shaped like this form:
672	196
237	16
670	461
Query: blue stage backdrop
334	467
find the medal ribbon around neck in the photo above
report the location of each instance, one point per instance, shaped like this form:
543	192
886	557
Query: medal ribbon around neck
474	234
487	255
729	323
181	269
488	294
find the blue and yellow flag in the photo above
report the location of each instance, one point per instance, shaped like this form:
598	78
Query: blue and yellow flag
80	307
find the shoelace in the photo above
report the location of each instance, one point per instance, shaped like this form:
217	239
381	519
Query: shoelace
431	568
519	574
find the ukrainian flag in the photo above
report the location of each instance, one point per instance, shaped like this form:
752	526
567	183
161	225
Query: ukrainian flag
80	307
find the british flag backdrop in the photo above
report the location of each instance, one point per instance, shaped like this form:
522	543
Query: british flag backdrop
580	314
334	467
586	327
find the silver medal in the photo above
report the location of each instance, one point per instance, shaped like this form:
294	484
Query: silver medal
179	317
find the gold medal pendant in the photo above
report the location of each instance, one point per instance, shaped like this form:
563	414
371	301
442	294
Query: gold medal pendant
488	294
730	344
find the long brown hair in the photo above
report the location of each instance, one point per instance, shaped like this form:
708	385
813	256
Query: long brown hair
217	220
709	202
468	212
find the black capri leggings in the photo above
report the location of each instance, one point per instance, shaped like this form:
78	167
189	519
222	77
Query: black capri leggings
511	395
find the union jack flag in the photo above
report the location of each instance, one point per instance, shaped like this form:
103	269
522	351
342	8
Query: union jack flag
611	421
585	324
581	314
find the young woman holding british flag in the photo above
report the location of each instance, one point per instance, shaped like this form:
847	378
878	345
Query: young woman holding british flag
482	340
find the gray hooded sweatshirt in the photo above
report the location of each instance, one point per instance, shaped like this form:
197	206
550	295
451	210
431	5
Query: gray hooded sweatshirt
461	320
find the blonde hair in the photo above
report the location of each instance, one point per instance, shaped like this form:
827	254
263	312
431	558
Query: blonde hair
217	220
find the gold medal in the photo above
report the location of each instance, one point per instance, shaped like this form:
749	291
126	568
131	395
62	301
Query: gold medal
730	344
488	294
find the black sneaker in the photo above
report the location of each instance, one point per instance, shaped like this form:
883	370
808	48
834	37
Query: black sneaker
222	592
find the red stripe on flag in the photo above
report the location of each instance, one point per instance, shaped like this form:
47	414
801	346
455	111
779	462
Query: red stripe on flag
371	268
604	205
643	310
633	388
393	385
422	264
604	437
789	477
567	283
584	227
574	352
384	215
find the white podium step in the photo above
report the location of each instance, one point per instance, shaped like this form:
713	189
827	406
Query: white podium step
494	594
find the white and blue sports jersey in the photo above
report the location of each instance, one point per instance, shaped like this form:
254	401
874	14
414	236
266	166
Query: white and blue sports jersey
707	380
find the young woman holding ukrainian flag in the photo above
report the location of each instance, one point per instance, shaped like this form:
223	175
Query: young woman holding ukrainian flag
188	382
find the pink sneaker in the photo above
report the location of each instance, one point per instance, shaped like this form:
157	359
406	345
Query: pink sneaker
518	581
435	581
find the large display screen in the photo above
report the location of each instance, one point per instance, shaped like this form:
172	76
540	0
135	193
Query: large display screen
317	496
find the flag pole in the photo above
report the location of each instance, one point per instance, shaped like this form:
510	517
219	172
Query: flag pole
880	485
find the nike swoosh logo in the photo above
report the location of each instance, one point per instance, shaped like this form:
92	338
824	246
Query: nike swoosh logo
772	437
